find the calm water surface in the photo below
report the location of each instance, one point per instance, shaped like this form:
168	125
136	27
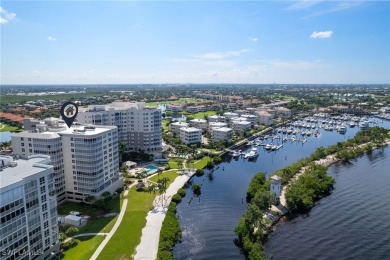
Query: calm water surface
352	223
208	222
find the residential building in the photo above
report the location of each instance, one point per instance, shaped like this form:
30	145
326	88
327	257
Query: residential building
190	135
175	127
241	125
251	118
265	118
28	227
222	133
284	112
199	123
216	118
229	115
217	125
139	126
85	158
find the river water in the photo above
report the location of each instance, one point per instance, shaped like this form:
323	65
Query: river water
352	223
208	222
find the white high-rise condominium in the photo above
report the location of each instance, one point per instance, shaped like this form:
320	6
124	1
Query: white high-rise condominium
28	209
139	126
85	158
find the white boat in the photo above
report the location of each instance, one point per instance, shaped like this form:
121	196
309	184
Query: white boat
236	154
268	147
274	147
352	124
364	125
252	154
342	129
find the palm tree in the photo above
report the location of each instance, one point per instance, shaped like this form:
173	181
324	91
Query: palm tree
122	149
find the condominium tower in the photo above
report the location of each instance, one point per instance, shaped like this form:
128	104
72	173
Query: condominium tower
139	126
28	209
85	158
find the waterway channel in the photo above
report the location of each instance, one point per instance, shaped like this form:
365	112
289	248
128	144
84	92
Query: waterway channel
208	222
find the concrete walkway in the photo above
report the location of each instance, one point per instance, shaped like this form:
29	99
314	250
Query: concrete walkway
117	223
148	247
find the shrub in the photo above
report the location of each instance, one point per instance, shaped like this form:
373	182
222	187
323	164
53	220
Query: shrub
196	188
71	231
199	172
176	198
182	192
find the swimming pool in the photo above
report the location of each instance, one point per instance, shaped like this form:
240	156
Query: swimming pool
151	169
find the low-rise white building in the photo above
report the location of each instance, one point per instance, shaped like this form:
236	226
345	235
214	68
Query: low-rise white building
216	125
276	185
175	127
190	135
265	118
241	125
216	118
222	133
199	123
283	112
230	115
251	118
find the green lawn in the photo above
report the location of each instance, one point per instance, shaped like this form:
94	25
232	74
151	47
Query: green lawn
201	163
85	209
122	245
98	225
85	248
200	115
171	174
174	163
8	128
164	125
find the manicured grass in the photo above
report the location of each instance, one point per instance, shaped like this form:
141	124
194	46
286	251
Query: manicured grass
85	248
171	174
200	115
164	125
8	128
201	163
288	98
85	209
98	225
174	163
122	245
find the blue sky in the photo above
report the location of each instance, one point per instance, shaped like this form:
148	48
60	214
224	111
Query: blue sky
66	42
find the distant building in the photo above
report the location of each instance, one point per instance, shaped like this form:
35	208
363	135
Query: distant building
139	126
190	135
175	127
222	133
265	118
241	125
199	123
216	118
251	118
28	209
230	115
283	112
276	185
216	125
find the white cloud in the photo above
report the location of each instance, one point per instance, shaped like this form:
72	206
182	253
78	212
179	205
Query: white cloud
254	39
221	55
51	38
303	4
137	27
321	35
6	16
